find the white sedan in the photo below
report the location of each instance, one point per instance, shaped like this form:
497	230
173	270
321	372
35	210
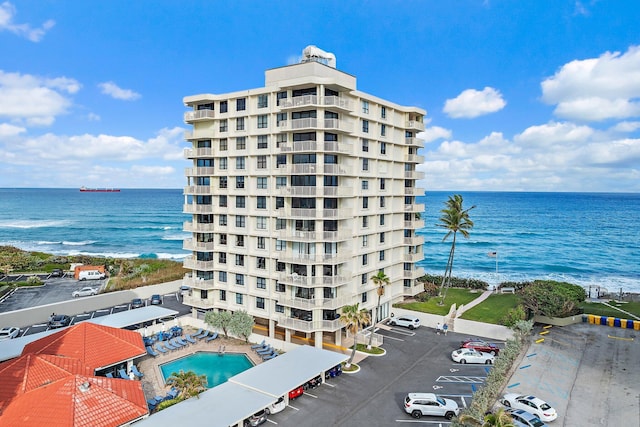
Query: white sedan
469	355
84	292
9	333
531	404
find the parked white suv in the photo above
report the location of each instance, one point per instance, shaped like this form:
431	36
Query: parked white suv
419	404
406	320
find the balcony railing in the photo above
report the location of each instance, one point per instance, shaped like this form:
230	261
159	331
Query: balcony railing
413	241
192	153
416	224
334	169
199	171
194	301
337	124
192	116
413	191
197	209
413	124
338	147
336	101
313	258
414	208
413	175
199	134
413	158
414	274
309	122
312	236
313	281
197	283
191	245
299	101
414	141
198	189
311	326
198	227
299	146
413	257
192	264
311	303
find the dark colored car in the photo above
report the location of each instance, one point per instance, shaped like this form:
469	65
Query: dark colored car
136	303
59	321
296	392
56	272
156	299
480	345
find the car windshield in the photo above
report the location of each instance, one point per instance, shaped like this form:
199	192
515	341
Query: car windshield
545	406
535	422
441	401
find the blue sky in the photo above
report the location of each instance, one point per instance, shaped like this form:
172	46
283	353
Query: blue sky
527	95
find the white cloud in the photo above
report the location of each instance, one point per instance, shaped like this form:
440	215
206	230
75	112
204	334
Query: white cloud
597	88
626	127
473	103
10	130
7	13
114	91
433	133
93	117
33	99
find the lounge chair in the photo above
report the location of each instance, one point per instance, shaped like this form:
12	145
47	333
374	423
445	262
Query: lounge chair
172	394
135	371
197	333
266	347
262	344
204	335
151	403
265	351
271	356
123	374
170	345
151	351
109	375
180	341
190	339
212	337
160	347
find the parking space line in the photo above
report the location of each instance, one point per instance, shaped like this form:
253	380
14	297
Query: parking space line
272	422
328	385
460	379
121	306
311	395
293	407
393	338
440	423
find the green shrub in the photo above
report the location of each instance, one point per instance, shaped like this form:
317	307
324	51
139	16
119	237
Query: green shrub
455	282
513	316
423	297
553	299
431	289
166	403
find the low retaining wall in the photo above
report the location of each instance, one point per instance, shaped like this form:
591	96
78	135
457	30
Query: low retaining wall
613	322
558	321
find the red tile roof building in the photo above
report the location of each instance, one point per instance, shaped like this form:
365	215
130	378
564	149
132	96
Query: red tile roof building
53	382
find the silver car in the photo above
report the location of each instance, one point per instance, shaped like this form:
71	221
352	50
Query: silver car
84	292
406	320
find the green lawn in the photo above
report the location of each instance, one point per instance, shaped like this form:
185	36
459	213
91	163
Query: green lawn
454	295
493	309
602	310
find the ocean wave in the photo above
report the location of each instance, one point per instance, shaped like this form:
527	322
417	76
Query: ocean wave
26	224
159	255
82	243
176	236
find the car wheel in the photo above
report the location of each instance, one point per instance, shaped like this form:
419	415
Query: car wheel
75	295
449	415
411	327
416	414
492	352
392	323
488	362
463	361
267	411
506	403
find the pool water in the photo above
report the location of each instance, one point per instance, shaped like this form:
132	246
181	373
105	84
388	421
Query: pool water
217	367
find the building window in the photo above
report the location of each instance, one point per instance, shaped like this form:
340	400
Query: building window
365	184
382	183
365	145
281	245
280	95
241	143
281	181
240	162
239	260
241	104
240	241
382	219
224	163
365	259
261	283
223	295
223	182
383	130
381	237
279	308
383	112
240	279
261	243
381	255
365	221
365	107
330	181
281	117
223	239
260	302
365	126
280	287
365	241
223	144
222	276
241	202
281	223
382	201
364	297
222	257
279	202
263	101
262	162
365	164
263	141
222	201
364	279
406	283
240	123
222	220
383	148
223	125
239	299
239	181
204	294
261	263
240	221
261	202
261	182
365	203
262	121
224	106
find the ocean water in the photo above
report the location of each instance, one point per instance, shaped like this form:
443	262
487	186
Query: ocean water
583	238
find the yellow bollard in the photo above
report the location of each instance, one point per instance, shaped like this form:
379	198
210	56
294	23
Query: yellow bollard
544	332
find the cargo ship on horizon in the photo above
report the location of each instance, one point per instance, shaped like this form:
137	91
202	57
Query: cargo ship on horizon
99	190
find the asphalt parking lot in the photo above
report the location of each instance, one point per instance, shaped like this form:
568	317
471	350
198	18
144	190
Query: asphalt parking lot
416	361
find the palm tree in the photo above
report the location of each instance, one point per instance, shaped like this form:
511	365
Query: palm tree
454	218
380	280
498	419
189	383
354	318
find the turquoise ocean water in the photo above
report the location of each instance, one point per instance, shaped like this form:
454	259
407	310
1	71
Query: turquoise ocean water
583	238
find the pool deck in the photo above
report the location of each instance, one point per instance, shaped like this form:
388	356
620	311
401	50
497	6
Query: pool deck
153	381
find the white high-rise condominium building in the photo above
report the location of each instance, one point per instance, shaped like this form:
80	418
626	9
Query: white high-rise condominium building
300	192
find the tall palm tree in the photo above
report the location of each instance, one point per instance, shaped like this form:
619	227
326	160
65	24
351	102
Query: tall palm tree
380	280
454	218
354	318
189	383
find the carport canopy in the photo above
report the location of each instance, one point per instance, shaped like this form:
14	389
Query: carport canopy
128	318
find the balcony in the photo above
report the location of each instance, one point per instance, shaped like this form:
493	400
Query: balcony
413	257
198	189
417	224
413	241
311	303
192	264
298	146
413	124
196	301
313	281
337	191
307	123
198	227
194	116
415	142
196	283
191	245
299	191
334	170
313	258
338	147
312	326
413	175
336	101
199	171
298	169
197	209
314	236
336	213
413	191
199	134
194	153
414	274
338	125
298	101
413	158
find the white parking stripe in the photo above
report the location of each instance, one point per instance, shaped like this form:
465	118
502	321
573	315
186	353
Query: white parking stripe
293	407
439	423
311	395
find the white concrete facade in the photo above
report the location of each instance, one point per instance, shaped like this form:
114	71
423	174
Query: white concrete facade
301	191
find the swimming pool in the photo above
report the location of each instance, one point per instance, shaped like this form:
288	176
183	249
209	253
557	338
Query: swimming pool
217	367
